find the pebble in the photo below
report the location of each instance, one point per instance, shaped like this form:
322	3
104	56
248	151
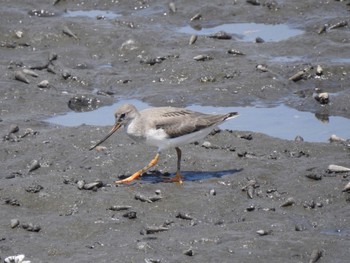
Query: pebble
34	165
142	198
16	259
31	227
152	260
319	70
12	201
235	52
338	25
298	138
130	215
80	184
347	187
93	185
259	40
253	2
30	72
196	17
44	84
172	7
35	188
155	198
193	39
184	216
155	229
338	169
315	255
19	75
14	223
299	227
314	176
119	207
189	252
212	192
263	232
221	35
13	128
68	32
335	138
290	201
250	208
322	29
322	98
202	57
19	34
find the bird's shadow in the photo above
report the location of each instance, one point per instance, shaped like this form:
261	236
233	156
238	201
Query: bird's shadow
156	176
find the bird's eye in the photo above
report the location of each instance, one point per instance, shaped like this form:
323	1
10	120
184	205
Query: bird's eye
122	116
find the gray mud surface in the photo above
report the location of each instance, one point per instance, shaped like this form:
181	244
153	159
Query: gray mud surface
209	218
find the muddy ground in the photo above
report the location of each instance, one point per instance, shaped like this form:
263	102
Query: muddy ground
141	54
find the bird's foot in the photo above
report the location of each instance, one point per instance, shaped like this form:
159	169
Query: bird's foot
177	179
128	179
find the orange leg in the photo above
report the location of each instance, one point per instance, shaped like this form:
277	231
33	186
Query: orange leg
178	177
140	172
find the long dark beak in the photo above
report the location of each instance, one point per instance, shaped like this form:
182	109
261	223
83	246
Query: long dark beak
113	130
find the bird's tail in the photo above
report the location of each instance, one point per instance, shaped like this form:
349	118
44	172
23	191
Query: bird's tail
231	115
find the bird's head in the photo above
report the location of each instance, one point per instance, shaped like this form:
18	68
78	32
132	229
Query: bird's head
123	115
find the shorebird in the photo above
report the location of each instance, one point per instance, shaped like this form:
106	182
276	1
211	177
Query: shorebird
164	127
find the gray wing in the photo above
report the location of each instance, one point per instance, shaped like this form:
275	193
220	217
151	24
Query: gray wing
181	121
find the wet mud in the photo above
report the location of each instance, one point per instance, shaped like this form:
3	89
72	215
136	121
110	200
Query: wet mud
246	196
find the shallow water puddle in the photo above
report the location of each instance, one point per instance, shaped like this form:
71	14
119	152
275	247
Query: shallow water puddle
247	31
281	121
91	14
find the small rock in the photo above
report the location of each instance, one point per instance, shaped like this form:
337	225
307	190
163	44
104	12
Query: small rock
220	35
19	75
253	2
315	255
263	232
298	138
322	98
119	207
31	227
189	252
290	201
259	40
130	215
155	229
172	7
338	169
319	70
14	223
347	187
19	34
16	259
30	72
202	57
34	166
314	176
193	39
184	216
212	192
93	185
80	184
44	84
13	128
335	138
35	188
142	198
196	17
250	208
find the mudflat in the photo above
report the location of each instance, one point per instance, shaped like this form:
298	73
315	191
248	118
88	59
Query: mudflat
246	196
